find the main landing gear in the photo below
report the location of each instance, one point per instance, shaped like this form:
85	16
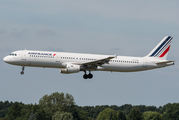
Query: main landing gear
22	72
85	76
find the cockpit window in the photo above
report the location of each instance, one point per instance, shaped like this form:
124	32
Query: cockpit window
13	54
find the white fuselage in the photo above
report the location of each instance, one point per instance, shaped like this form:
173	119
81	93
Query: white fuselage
76	62
61	59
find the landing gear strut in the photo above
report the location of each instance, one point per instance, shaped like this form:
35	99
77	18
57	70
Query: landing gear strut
22	72
85	76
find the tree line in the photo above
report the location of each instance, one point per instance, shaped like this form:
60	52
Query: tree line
60	106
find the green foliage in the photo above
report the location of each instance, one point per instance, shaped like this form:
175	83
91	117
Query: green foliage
4	106
135	114
165	108
14	111
60	102
50	105
144	108
59	115
2	119
107	114
42	115
93	111
3	112
126	108
33	116
81	114
77	113
121	116
56	102
172	112
149	115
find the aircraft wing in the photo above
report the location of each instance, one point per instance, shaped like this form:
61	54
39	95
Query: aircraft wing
96	63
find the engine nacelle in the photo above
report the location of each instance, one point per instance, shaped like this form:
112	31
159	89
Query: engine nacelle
70	68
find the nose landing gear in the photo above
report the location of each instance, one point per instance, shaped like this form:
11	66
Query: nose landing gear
90	76
22	72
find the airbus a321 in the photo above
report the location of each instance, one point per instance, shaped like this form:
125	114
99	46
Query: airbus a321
76	62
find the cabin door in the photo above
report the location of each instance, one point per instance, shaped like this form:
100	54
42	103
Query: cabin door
23	57
58	58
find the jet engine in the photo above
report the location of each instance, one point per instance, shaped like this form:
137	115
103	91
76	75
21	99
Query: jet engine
70	68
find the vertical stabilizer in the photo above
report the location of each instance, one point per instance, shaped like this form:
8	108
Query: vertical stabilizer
161	50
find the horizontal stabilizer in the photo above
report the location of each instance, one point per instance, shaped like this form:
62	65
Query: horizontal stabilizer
165	62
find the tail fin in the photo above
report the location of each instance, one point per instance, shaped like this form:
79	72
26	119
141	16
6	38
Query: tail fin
161	50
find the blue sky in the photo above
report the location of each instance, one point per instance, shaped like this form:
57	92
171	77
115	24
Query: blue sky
131	28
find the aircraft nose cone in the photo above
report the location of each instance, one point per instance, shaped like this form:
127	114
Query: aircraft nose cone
5	59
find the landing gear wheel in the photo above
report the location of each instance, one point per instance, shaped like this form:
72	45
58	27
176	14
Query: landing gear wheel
22	72
90	76
85	76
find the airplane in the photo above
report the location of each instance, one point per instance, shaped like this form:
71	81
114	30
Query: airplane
76	62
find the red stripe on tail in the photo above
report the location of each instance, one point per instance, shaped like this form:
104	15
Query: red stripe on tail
163	54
